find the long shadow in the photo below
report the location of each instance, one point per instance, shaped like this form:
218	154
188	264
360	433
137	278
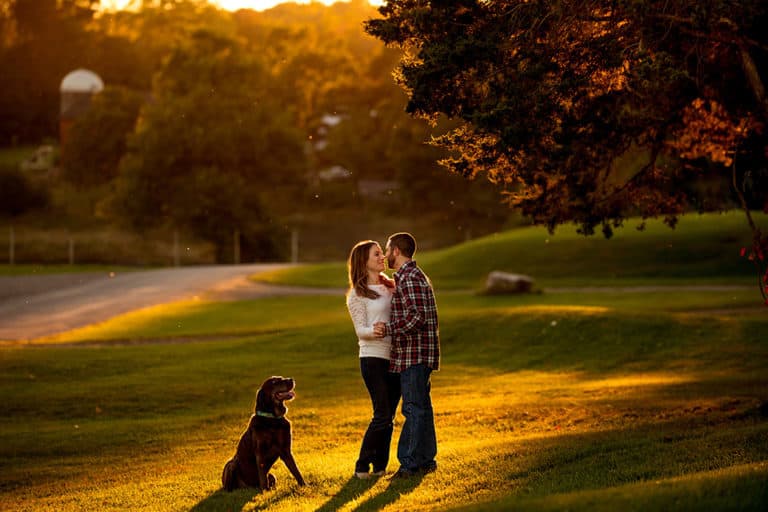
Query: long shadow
394	491
223	500
351	490
236	500
594	461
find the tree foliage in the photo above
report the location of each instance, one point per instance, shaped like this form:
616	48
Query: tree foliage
42	41
208	145
18	194
246	105
553	96
97	140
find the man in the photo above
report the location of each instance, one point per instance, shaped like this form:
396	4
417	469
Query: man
415	355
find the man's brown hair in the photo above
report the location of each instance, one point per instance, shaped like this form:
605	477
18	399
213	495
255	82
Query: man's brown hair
405	242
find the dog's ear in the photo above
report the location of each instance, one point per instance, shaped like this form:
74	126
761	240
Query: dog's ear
262	401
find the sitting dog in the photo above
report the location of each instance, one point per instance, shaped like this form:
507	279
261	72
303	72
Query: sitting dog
267	437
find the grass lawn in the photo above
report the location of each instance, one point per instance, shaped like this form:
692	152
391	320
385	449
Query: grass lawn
701	249
601	401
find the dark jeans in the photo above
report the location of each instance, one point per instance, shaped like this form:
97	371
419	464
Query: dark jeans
384	388
417	447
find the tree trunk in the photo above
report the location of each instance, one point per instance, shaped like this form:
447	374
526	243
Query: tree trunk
755	82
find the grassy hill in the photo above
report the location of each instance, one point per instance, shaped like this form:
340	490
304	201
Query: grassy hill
578	400
649	401
702	248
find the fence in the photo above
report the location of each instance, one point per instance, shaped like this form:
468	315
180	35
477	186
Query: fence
109	246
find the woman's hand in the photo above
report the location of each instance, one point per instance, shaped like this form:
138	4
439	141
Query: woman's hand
389	283
379	329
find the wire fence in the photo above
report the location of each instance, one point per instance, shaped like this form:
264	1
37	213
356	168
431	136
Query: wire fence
111	246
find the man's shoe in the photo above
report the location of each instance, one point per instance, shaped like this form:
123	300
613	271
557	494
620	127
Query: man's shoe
402	473
429	468
362	475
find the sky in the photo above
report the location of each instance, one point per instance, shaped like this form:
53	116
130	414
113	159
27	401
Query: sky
233	5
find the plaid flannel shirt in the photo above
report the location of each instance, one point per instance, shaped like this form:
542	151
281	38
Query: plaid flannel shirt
413	321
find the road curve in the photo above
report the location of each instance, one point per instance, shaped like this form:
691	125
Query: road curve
37	306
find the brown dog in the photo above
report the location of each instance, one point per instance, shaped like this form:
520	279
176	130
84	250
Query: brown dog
267	437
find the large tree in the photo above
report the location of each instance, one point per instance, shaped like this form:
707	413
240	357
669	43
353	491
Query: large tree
556	97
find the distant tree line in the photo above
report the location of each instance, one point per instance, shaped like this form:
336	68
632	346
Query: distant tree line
212	121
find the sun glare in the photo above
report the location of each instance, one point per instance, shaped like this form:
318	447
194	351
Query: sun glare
260	5
233	5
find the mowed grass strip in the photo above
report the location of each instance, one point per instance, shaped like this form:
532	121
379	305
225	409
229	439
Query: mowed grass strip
539	405
702	249
184	320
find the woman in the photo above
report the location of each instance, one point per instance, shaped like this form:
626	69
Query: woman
369	301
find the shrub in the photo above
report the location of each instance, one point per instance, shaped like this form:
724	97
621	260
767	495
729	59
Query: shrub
18	195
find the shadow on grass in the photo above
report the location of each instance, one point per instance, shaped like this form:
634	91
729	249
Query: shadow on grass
394	491
677	452
349	492
354	488
223	500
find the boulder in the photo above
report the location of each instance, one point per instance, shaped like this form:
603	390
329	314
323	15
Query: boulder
500	283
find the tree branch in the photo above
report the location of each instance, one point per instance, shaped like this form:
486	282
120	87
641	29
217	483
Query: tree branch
655	151
756	235
753	77
734	39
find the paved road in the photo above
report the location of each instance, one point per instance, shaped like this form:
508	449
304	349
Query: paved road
36	306
41	305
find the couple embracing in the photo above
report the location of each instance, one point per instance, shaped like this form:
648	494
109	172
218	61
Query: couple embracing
397	330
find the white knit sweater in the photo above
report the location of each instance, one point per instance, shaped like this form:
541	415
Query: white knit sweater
364	313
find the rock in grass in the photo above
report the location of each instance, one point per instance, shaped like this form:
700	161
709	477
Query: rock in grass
501	283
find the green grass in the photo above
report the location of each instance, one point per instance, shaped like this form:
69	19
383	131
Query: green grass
29	269
701	249
643	401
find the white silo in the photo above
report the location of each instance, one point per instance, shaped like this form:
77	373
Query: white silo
77	89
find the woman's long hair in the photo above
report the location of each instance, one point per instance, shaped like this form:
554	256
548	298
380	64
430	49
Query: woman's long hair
357	267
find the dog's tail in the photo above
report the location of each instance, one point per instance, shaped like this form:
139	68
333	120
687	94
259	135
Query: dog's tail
229	475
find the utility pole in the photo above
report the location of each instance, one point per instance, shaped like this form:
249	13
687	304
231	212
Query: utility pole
11	247
237	247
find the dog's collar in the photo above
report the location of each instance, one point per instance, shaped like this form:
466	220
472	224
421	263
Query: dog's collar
266	414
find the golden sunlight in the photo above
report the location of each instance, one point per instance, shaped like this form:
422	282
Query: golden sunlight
233	5
260	5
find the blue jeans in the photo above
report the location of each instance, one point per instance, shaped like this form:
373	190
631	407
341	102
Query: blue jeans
417	447
384	388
